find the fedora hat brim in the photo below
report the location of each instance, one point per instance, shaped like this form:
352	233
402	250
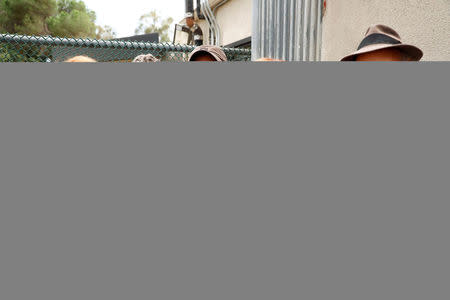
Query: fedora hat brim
413	52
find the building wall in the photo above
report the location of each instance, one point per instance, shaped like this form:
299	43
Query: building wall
235	20
424	23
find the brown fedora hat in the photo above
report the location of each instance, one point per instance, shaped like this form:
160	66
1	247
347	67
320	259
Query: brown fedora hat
383	37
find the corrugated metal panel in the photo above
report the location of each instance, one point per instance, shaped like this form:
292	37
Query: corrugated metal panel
287	29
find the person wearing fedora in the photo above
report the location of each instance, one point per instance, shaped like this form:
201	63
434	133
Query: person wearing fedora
382	43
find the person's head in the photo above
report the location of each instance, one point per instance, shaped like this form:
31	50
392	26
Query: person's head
207	53
382	43
203	56
387	54
81	58
189	18
267	59
145	58
190	22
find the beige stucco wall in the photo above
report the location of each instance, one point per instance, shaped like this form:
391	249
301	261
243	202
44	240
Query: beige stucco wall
235	20
424	23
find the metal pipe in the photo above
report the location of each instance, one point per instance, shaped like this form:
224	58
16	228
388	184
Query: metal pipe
198	10
213	21
189	8
206	9
211	36
219	33
219	5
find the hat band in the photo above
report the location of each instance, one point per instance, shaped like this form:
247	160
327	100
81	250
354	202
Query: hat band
377	38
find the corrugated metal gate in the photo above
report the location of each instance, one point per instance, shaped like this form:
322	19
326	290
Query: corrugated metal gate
287	29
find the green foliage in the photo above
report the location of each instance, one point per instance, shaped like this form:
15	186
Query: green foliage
23	53
63	18
70	5
152	22
72	20
26	16
59	18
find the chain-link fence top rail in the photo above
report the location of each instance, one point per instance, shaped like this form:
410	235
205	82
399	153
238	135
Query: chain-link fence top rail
20	48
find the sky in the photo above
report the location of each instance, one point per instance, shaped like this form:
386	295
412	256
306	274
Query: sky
123	16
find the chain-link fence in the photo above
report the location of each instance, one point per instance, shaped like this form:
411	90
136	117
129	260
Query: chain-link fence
20	48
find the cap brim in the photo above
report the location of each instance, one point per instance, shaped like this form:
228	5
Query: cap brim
412	51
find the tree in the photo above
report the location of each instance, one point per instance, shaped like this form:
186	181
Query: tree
73	20
62	18
26	16
105	33
152	22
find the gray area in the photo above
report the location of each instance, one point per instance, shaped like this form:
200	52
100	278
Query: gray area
268	181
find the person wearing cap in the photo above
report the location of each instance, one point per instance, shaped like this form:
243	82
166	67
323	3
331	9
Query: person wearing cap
382	43
207	53
145	58
81	59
